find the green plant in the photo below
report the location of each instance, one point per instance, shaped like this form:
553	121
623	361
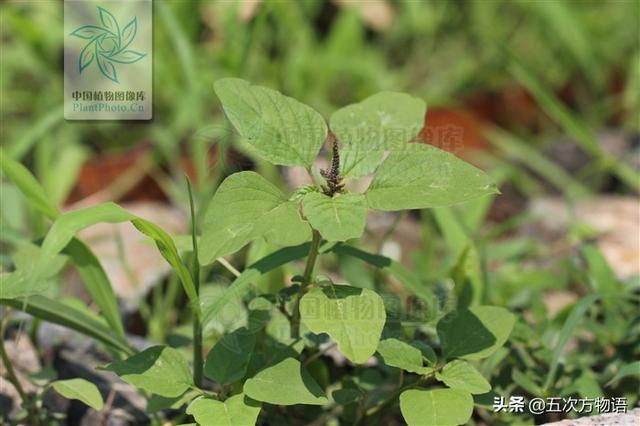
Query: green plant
272	360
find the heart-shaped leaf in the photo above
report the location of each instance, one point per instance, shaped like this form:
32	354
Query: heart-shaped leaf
474	333
227	361
238	410
397	353
420	176
337	218
286	383
245	207
386	120
441	407
160	369
353	317
81	390
280	129
461	375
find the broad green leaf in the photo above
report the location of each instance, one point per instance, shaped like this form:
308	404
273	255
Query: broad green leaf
397	353
238	410
628	370
59	313
461	375
286	383
441	407
228	360
283	226
406	277
81	390
161	370
90	270
474	333
242	284
353	317
280	129
337	218
245	207
420	176
565	334
386	120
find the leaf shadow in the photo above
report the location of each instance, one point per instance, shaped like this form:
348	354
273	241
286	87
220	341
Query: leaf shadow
462	333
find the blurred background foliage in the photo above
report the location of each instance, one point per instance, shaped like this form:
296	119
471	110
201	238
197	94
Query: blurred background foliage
537	68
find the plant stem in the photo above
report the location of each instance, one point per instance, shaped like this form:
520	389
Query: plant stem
308	271
197	325
311	259
27	403
10	371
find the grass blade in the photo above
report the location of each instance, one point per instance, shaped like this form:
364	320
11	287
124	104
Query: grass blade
96	282
67	225
565	334
582	134
93	275
65	315
517	149
29	186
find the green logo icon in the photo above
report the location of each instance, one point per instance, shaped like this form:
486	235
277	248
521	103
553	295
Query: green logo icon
108	44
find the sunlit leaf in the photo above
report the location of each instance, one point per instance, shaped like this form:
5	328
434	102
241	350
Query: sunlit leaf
286	383
386	120
237	410
81	390
441	407
353	317
337	218
160	370
461	375
421	176
397	353
279	128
